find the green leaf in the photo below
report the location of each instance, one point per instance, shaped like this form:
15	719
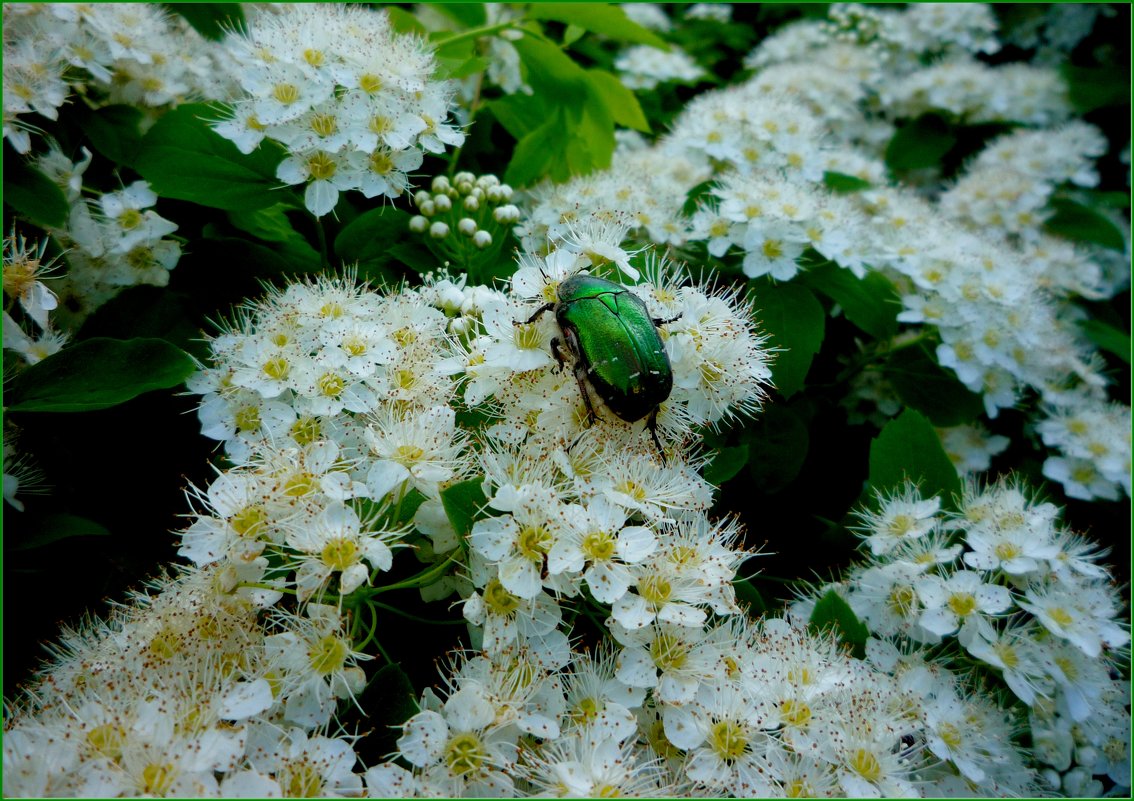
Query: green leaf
270	224
113	130
795	321
1091	88
464	504
923	384
572	34
920	143
416	256
1108	338
777	447
832	612
467	15
278	258
1078	223
61	526
535	153
608	20
908	448
841	182
520	114
405	22
870	302
211	20
620	101
590	143
183	158
750	597
34	195
98	373
551	73
726	464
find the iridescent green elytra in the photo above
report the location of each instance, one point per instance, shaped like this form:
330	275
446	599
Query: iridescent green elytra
616	346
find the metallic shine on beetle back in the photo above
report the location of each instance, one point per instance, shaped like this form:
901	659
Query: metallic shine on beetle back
616	346
610	330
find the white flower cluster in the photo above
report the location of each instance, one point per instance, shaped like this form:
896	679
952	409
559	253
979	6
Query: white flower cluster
112	243
352	101
1094	438
976	92
970	447
1021	595
644	67
135	53
1008	185
646	186
739	708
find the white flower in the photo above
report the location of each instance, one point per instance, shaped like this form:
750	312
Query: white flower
902	516
420	449
962	598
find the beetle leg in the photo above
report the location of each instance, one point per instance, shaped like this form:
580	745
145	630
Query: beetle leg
659	321
652	425
591	416
544	308
561	362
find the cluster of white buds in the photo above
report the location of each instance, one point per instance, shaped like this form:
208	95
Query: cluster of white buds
465	218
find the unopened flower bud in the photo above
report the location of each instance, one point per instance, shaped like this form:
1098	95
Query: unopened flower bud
506	191
472	203
467	226
442	203
427	208
482	239
506	214
464	177
421	196
493	194
460	326
418	224
440	184
438	230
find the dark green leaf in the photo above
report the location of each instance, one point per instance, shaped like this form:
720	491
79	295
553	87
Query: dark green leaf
608	20
841	182
749	596
620	101
371	234
1078	223
590	143
920	143
794	319
832	612
464	504
726	464
922	384
152	312
33	194
1091	88
463	67
415	256
777	447
695	196
280	258
98	373
183	158
272	225
389	700
211	20
870	302
1108	338
908	448
113	131
61	526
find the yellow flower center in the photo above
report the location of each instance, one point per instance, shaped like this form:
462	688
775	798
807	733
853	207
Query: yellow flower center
328	655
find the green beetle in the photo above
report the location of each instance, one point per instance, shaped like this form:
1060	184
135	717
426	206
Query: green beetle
616	346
